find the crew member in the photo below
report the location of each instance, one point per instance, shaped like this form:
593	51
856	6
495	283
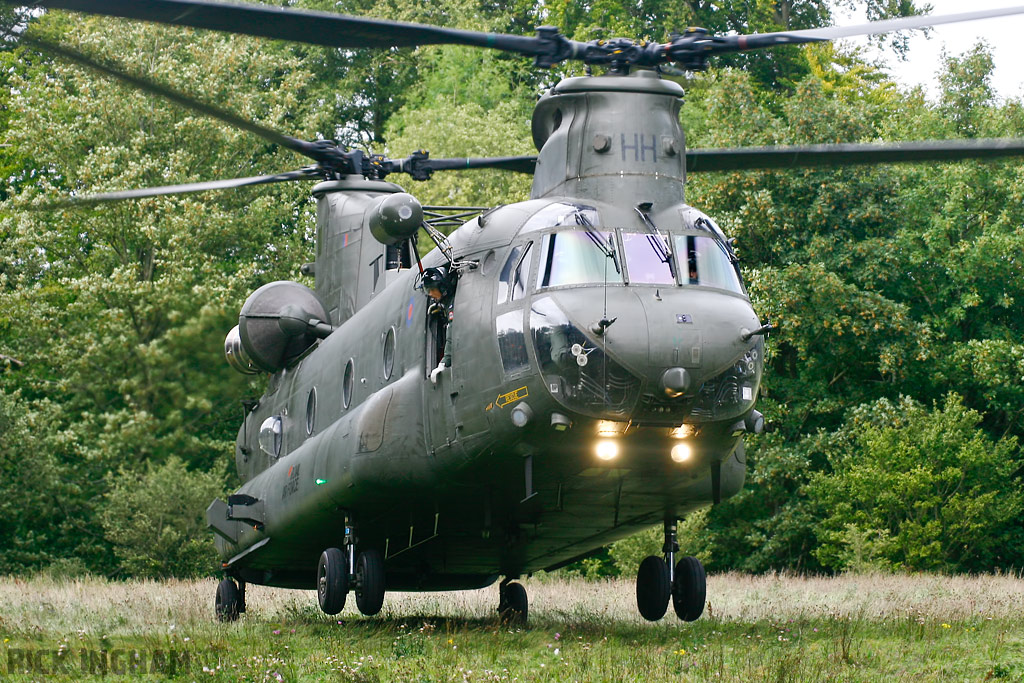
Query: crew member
440	288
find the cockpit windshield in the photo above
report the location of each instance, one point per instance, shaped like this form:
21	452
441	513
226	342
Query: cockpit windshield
647	263
705	262
577	257
596	256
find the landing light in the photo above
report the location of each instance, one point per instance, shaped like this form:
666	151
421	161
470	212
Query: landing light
606	428
681	452
681	432
607	450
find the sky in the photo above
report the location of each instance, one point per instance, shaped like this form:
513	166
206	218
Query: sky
1005	35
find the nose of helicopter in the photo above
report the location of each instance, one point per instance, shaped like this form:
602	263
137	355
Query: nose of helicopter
673	337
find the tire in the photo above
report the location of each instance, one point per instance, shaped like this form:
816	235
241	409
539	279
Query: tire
513	605
332	580
689	589
653	588
227	604
369	582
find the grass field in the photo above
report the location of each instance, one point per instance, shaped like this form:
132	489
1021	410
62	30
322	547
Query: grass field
849	628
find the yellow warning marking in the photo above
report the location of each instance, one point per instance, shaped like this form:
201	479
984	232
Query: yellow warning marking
512	396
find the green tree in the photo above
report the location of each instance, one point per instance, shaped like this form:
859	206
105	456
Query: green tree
922	489
156	523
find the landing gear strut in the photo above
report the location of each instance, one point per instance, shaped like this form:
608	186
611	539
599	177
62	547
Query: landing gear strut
659	579
513	605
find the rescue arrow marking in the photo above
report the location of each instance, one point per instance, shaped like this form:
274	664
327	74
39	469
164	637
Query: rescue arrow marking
511	397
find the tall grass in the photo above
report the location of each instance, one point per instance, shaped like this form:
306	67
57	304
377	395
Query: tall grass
849	628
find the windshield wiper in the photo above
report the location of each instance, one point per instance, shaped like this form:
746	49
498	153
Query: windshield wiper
719	238
656	239
597	239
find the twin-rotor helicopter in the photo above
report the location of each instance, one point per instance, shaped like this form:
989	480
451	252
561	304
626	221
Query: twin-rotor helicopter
603	357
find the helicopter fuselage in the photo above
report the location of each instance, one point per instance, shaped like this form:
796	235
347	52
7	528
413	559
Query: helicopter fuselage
604	370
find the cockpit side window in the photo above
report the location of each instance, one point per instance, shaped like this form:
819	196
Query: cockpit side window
507	273
518	284
577	257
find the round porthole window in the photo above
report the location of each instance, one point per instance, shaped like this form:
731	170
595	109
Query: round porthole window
311	411
271	436
347	383
389	353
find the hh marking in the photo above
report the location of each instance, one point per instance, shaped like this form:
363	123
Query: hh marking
511	397
639	147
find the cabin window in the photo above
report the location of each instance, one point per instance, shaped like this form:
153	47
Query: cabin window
648	260
311	411
272	436
389	352
512	342
347	383
705	262
577	257
398	256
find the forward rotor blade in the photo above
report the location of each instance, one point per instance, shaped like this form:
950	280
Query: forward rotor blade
755	41
307	149
810	156
525	164
309	173
303	26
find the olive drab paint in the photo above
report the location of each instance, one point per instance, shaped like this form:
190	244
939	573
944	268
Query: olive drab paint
492	471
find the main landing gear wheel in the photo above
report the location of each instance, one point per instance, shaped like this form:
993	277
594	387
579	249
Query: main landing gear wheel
332	581
369	582
689	589
653	588
229	601
513	605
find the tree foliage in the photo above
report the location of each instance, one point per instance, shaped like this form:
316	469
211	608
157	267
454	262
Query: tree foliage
155	520
895	288
918	489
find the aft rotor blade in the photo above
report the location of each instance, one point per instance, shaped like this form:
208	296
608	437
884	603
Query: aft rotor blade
309	173
303	26
308	149
721	44
810	156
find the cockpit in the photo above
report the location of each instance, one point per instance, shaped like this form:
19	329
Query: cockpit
566	273
574	250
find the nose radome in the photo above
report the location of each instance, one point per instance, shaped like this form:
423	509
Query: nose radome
675	382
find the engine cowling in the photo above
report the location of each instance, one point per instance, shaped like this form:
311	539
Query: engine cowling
277	323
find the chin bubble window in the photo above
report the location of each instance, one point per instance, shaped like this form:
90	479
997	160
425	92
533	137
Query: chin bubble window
575	369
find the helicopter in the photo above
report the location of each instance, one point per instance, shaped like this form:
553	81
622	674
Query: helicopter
588	366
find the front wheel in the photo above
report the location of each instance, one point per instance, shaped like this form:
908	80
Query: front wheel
369	582
652	588
689	589
332	581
